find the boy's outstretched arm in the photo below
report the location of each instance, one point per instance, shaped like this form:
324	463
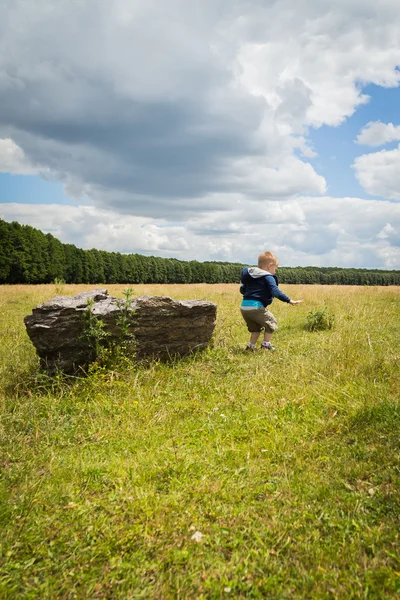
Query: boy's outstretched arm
277	293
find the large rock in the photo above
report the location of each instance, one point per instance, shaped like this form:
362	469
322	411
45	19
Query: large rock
161	326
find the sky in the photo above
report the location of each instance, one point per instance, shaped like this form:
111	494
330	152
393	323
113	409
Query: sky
205	129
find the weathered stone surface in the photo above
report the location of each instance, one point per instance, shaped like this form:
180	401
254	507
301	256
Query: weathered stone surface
162	327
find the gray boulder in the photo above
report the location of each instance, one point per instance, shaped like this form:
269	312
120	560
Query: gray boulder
162	327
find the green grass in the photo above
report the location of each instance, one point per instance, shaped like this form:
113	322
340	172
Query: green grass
286	462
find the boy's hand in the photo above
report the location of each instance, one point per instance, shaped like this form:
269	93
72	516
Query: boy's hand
293	302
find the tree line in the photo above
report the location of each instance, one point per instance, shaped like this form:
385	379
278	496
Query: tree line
28	255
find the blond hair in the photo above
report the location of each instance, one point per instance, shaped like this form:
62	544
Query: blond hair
267	258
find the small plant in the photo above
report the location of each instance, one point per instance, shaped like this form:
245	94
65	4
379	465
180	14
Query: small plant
94	331
109	352
124	319
126	342
319	319
59	282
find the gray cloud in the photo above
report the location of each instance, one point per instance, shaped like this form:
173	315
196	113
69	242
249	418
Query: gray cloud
131	101
158	149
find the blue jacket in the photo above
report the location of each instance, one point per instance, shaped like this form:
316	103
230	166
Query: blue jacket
260	285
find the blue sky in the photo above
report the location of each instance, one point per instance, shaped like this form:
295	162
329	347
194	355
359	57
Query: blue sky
193	138
31	189
336	147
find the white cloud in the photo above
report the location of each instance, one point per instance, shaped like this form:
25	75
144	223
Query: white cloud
390	234
89	227
379	173
390	256
307	230
314	55
13	159
376	133
387	231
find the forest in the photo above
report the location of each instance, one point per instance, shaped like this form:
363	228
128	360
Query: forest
27	255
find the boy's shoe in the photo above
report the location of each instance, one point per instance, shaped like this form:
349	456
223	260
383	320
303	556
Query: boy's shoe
251	347
267	347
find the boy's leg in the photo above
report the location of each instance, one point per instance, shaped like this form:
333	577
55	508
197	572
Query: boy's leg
253	327
271	325
266	344
253	340
254	337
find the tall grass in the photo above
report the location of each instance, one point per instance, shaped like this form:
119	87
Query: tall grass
225	474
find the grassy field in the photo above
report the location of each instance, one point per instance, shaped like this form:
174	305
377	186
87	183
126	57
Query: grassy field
227	474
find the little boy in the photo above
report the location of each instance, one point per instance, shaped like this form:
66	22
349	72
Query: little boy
259	287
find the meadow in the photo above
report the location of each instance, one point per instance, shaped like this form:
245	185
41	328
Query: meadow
225	474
